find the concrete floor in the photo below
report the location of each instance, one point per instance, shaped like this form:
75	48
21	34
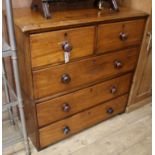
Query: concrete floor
126	134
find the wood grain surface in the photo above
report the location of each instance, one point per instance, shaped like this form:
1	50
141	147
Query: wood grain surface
109	35
52	110
29	21
26	81
46	48
80	121
84	72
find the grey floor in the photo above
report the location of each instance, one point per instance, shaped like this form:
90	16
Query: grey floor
126	134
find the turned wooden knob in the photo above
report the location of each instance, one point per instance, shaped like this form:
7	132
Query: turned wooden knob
66	130
110	111
67	47
123	36
113	89
118	64
66	107
65	79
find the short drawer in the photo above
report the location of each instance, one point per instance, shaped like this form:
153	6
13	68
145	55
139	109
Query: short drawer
119	35
46	48
77	75
61	107
65	128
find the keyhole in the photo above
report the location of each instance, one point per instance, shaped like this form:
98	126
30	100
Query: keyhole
65	34
123	27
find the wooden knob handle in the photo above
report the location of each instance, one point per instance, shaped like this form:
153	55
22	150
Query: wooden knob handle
65	79
123	36
67	47
110	111
113	89
66	107
66	130
118	64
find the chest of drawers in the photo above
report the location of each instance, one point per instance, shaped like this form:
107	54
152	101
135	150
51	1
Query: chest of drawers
61	99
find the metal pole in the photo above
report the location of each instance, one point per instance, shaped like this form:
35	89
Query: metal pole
20	102
10	24
12	122
16	74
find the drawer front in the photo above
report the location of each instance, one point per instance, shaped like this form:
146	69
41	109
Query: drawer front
64	128
72	103
119	35
47	48
73	76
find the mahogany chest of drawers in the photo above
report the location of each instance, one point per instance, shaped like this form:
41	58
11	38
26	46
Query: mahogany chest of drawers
61	99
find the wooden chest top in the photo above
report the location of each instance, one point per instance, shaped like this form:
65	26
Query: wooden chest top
30	21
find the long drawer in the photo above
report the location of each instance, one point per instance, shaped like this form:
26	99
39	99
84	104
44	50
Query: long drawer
47	47
61	107
70	76
64	128
119	35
